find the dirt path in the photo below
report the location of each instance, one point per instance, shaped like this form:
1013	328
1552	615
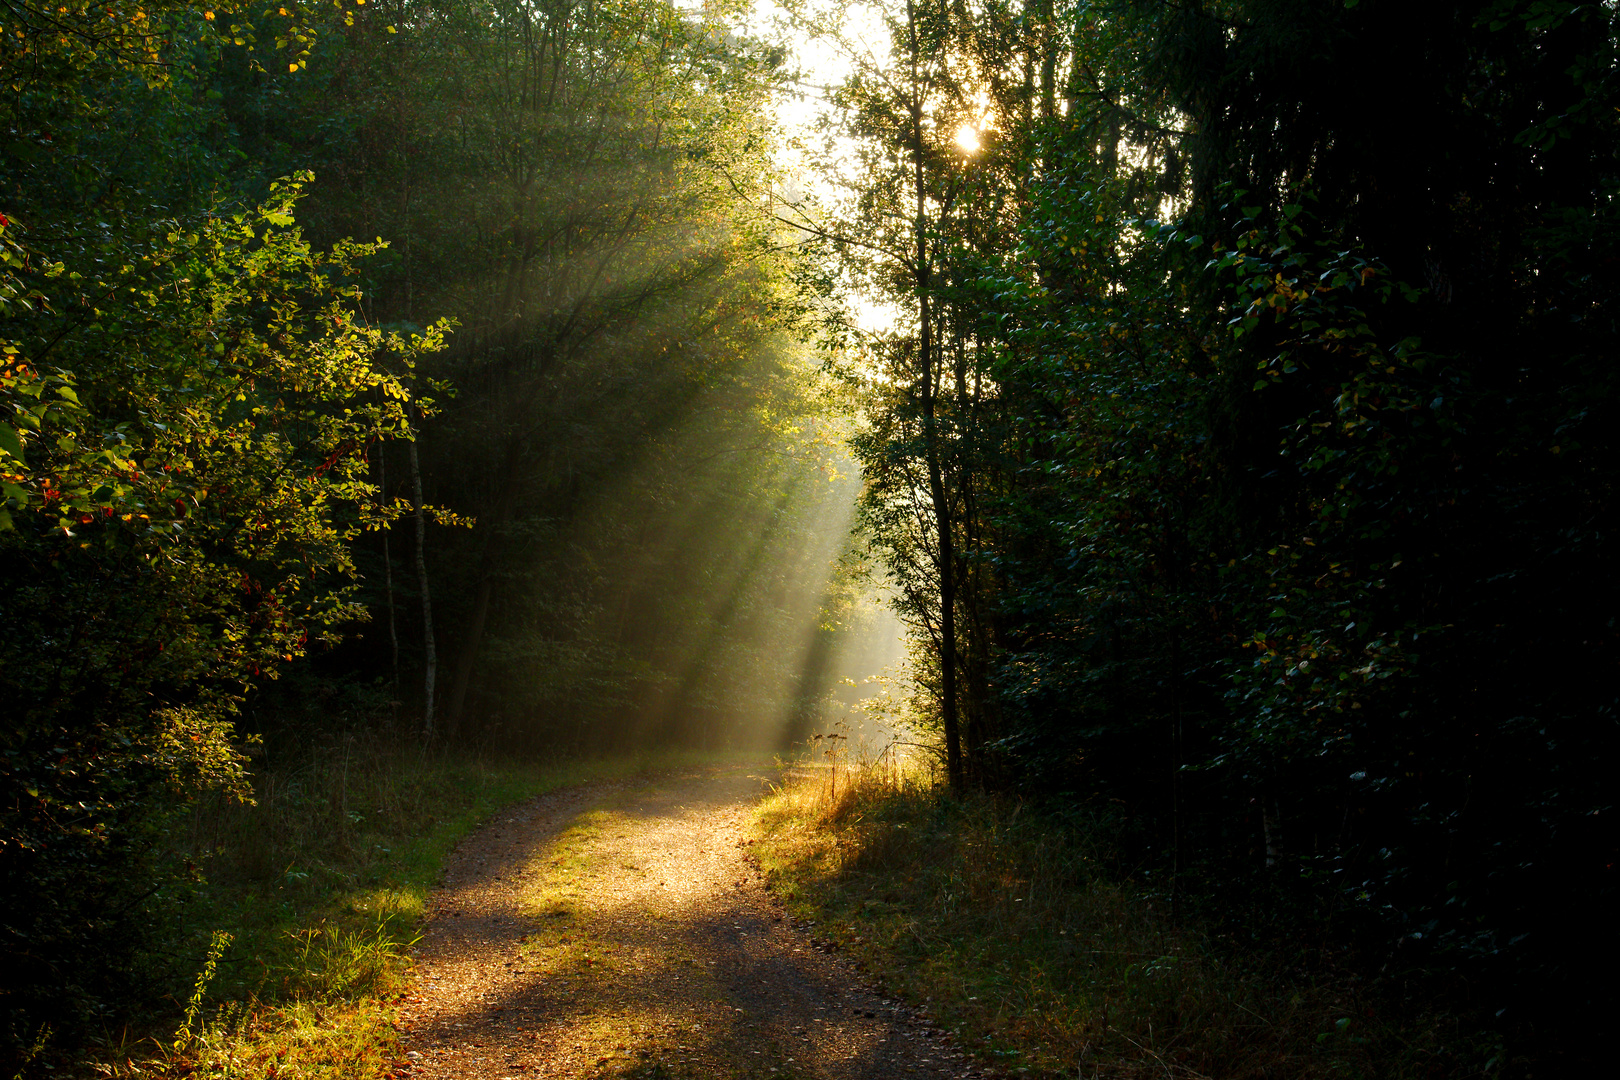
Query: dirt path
623	931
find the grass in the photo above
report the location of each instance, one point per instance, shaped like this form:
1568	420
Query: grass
1002	918
289	954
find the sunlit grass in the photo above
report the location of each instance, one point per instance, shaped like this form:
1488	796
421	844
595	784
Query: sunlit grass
1009	923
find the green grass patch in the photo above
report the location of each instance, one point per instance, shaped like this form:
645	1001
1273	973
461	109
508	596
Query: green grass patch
1004	921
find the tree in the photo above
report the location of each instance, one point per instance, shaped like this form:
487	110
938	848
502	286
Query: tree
188	393
1230	457
184	465
902	116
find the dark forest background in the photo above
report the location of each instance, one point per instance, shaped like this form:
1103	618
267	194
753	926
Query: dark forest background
1247	468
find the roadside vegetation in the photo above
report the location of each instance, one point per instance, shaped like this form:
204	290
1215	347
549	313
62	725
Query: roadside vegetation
1017	926
288	951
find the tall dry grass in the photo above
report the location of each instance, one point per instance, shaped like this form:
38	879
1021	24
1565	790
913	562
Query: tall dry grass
1006	919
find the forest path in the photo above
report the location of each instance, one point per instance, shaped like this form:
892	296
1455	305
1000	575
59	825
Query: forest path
624	931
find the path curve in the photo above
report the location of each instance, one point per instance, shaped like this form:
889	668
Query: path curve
624	931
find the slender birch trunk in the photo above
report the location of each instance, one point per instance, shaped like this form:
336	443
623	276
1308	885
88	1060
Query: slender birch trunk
429	649
388	581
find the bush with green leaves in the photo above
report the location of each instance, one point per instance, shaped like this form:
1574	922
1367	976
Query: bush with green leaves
183	438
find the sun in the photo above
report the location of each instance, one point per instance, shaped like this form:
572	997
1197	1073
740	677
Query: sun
967	139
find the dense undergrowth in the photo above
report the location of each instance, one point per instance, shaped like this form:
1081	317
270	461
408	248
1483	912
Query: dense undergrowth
288	952
1017	925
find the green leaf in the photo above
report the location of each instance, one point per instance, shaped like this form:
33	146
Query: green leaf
10	441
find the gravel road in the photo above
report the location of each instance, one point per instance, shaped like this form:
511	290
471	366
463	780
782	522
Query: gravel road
624	931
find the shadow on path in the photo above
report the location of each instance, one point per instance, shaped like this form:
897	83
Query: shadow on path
623	931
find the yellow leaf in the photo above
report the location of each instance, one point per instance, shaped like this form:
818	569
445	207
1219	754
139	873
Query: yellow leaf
292	67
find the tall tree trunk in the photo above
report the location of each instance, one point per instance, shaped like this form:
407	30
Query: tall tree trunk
947	555
926	362
430	658
388	581
1048	47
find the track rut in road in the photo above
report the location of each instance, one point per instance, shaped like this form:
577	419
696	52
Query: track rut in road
624	931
